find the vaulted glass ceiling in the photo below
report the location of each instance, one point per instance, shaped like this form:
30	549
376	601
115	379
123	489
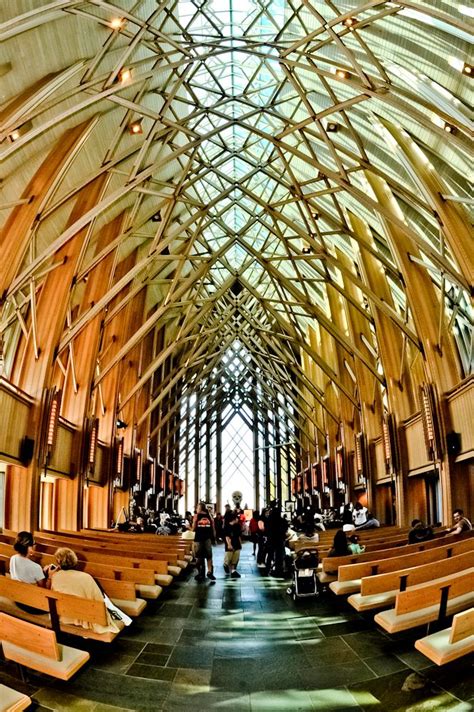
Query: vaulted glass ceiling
263	131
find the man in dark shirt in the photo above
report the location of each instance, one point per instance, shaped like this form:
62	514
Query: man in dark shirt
419	532
233	544
204	535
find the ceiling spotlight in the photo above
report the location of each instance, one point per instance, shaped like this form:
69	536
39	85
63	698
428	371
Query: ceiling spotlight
349	21
332	127
135	127
468	70
117	23
314	214
342	74
449	128
124	75
120	424
156	217
14	136
306	249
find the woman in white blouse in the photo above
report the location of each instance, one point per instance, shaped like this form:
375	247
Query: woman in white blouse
22	568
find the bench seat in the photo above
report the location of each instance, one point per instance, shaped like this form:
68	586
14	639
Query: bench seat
71	660
375	600
174	570
394	623
449	644
13	701
148	591
164	579
342	588
131	608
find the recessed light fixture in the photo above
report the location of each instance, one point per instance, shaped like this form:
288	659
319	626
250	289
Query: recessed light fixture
349	21
342	74
117	23
125	75
332	127
156	217
14	136
135	127
449	128
461	66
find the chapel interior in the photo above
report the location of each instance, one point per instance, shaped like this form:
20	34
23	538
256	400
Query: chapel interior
236	255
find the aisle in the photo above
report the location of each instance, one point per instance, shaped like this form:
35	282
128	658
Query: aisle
242	644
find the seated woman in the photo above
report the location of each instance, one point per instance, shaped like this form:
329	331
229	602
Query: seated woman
66	579
340	546
354	545
22	568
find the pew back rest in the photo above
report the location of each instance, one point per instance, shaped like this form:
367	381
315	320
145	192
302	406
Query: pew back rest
421	573
27	594
462	626
64	603
332	564
34	638
381	566
429	594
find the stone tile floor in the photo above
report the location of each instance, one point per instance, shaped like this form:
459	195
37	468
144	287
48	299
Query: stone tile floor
245	645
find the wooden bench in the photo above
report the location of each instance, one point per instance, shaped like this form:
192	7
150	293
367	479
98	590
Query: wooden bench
429	602
12	701
451	643
349	577
37	648
56	605
109	558
330	565
134	542
380	591
174	566
143	580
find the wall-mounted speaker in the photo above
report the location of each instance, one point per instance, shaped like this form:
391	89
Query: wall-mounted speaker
27	446
453	443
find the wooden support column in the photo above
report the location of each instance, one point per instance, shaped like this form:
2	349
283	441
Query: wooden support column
453	218
441	361
22	218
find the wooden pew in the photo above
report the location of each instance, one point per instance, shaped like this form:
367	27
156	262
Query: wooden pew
451	643
429	602
136	542
143	580
122	593
174	566
159	563
380	591
37	648
330	565
349	577
55	605
12	701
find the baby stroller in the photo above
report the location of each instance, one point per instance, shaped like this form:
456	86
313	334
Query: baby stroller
304	583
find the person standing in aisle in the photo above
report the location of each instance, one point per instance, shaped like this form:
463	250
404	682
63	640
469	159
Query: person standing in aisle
233	545
205	534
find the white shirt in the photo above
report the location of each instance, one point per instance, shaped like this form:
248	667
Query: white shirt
23	569
359	516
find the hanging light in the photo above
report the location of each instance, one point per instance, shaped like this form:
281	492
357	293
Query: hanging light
135	128
117	23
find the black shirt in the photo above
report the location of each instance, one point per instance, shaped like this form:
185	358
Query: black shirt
203	528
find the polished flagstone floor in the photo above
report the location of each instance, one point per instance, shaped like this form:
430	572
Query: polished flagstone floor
243	644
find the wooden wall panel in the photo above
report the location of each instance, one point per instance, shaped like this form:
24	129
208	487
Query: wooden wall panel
416	455
63	455
460	414
15	410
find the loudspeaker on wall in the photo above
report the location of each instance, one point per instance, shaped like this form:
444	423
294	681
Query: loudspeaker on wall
27	446
453	443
